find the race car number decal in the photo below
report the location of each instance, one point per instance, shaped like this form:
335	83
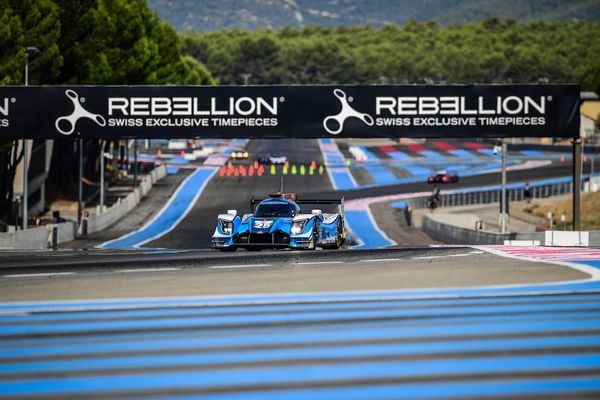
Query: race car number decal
262	224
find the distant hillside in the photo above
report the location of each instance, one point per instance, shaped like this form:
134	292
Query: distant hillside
208	15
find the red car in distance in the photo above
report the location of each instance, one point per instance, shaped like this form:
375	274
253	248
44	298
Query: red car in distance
443	177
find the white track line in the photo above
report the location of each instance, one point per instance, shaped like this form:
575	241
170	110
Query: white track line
426	257
125	271
319	262
373	260
38	275
239	266
435	257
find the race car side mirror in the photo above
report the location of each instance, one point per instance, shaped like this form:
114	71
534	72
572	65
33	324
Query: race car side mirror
316	212
232	212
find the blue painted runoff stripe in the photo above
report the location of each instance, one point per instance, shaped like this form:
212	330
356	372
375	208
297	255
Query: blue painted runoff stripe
429	390
234	356
294	374
361	221
153	341
170	215
430	154
591	263
379	172
398	155
61	317
400	204
339	174
461	153
531	153
488	152
418	172
342	180
593	309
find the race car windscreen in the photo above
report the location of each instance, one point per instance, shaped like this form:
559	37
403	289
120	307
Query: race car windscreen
271	210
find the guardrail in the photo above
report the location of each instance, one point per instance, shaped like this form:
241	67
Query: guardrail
493	195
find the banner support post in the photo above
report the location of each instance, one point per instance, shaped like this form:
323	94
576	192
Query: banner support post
80	183
103	142
135	162
576	184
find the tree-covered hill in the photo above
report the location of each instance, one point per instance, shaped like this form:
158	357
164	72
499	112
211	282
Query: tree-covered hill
492	51
207	15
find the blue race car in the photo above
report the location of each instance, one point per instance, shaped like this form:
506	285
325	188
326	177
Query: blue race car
278	222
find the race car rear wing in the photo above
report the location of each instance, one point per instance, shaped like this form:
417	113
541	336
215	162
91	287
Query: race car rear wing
254	201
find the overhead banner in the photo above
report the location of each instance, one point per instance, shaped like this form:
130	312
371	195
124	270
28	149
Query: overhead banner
445	111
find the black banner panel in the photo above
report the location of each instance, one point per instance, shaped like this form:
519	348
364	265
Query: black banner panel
445	111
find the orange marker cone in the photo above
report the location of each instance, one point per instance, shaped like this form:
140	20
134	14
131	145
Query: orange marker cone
222	171
251	171
182	153
159	153
255	164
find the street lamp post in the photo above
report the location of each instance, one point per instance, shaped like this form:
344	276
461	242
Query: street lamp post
28	51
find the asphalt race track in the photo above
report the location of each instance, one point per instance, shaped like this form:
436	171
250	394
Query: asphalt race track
100	275
175	319
223	193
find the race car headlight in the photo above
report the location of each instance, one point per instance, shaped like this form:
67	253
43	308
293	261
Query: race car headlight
298	227
226	227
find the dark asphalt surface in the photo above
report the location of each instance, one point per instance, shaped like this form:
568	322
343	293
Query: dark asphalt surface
99	274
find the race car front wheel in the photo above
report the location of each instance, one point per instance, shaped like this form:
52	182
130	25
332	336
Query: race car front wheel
229	249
